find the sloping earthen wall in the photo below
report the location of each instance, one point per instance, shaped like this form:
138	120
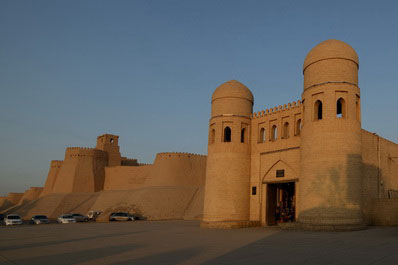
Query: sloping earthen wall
126	177
14	197
153	203
83	170
4	203
31	194
55	167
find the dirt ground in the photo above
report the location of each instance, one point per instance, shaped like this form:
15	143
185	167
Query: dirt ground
183	242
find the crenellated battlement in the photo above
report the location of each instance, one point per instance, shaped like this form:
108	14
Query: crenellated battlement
177	155
274	110
84	151
144	164
128	161
56	163
35	188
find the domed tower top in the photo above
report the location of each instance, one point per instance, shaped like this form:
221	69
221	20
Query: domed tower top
232	98
234	89
331	61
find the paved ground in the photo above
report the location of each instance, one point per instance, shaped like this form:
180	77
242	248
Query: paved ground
183	242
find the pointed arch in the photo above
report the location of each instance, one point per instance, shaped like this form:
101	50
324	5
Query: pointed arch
318	110
274	133
212	136
286	130
298	127
280	164
262	136
227	134
340	108
242	135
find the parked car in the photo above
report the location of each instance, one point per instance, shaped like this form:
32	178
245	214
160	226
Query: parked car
39	219
138	217
66	219
80	218
13	219
2	216
92	215
121	216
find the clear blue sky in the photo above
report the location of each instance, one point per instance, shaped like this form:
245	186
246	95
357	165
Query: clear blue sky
145	70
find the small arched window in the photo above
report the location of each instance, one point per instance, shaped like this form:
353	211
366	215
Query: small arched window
227	134
298	127
262	135
340	113
358	109
318	110
274	133
242	135
212	136
286	130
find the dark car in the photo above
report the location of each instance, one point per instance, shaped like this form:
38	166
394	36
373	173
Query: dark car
39	219
121	216
2	216
80	218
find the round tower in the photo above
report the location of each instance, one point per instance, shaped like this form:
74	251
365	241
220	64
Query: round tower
226	200
330	170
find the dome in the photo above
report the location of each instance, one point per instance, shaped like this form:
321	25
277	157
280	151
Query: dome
331	49
232	89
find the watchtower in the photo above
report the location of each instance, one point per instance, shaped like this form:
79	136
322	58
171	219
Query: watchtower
110	144
228	161
331	162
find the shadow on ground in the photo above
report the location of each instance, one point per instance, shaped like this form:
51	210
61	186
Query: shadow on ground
78	256
300	247
166	258
55	242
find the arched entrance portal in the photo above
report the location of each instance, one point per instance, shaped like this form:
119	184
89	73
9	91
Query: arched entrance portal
279	193
281	202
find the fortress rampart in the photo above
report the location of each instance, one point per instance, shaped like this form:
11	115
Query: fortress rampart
129	161
84	151
56	163
31	194
126	177
83	170
169	169
178	155
55	167
10	200
178	169
14	197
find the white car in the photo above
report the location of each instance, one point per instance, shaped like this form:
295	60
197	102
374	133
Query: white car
13	219
66	219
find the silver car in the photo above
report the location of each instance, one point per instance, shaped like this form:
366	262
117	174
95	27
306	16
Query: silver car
39	219
79	217
66	219
121	216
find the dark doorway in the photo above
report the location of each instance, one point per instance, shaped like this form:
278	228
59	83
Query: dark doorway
281	203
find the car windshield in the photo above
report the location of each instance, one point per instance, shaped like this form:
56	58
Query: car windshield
13	217
40	217
77	215
67	217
